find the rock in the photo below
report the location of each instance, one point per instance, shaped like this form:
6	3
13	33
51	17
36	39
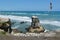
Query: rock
22	22
35	26
5	24
36	30
1	30
2	20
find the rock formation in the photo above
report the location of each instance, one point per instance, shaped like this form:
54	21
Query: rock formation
5	24
35	26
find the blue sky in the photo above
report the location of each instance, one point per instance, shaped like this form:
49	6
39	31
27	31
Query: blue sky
28	5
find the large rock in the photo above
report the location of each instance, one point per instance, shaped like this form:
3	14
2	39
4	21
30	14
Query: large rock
36	30
5	24
35	26
2	20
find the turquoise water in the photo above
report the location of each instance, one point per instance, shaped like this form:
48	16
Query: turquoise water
49	20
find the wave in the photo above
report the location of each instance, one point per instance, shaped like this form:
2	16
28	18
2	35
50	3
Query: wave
43	14
18	13
18	18
14	13
39	14
56	23
28	19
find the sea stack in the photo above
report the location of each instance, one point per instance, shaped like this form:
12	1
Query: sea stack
35	26
5	25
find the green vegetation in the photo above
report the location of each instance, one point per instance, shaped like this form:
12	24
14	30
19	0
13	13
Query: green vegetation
2	33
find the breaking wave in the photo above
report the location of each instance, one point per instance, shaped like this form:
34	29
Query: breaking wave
28	19
56	23
18	13
39	14
18	18
12	13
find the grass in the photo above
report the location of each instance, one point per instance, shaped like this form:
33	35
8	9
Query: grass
2	33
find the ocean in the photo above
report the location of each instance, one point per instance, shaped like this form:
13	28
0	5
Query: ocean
49	20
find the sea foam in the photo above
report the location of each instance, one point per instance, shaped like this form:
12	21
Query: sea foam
28	19
18	18
56	23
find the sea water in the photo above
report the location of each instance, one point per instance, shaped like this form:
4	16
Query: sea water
49	20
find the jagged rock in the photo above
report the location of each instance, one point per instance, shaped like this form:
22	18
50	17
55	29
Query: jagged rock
35	26
5	24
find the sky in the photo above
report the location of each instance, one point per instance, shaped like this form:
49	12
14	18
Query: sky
28	5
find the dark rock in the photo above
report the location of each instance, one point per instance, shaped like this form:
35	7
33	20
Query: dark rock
5	24
22	22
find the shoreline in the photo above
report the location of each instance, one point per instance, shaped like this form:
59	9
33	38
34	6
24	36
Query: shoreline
43	34
44	37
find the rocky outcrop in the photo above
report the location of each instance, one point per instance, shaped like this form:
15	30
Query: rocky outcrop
5	24
35	26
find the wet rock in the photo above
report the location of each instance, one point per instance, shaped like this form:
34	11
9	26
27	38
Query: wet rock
22	22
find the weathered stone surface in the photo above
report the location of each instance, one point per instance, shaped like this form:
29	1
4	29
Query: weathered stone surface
5	24
35	25
2	20
38	30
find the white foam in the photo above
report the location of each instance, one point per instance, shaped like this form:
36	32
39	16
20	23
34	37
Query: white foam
46	30
28	19
18	18
56	23
19	13
39	14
